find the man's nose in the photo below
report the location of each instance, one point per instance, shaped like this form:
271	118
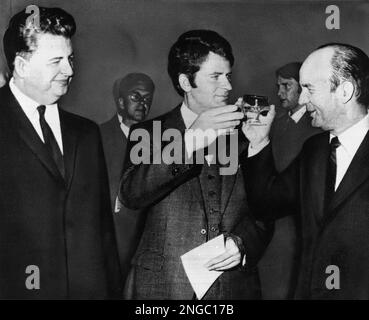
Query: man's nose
227	84
280	92
67	68
303	99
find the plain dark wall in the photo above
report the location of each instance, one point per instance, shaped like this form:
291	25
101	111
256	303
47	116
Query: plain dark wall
115	37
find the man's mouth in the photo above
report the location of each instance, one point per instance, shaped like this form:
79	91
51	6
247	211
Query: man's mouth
142	110
312	113
223	97
64	82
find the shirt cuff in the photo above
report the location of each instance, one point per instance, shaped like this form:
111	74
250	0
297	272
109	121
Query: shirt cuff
238	241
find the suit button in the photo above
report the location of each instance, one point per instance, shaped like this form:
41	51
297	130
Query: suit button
213	229
212	193
203	231
213	211
175	171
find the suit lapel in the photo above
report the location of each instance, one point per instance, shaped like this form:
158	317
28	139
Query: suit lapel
229	180
69	137
356	174
175	120
29	135
316	173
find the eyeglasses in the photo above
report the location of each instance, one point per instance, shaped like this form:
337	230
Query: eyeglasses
136	97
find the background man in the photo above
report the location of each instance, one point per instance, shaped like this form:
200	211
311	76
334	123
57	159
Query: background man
133	97
290	129
329	182
191	204
54	205
3	75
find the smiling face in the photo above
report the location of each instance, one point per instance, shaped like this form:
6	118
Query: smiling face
213	84
49	69
288	93
323	104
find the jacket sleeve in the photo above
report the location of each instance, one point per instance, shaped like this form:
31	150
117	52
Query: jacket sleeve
151	172
271	195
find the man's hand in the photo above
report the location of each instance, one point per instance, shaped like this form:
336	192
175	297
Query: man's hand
256	134
229	259
213	123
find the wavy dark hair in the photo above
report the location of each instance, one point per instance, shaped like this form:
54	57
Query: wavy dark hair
191	50
20	38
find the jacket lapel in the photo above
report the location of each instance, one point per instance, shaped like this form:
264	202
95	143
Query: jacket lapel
316	174
229	180
29	135
356	174
69	137
175	120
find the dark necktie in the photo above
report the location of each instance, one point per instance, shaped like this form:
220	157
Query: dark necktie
50	141
332	170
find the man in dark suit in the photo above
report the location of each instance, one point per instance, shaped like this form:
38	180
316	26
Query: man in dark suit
189	204
329	181
56	231
290	129
133	97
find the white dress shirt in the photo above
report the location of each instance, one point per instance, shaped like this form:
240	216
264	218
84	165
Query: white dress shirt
350	140
29	107
123	126
296	117
189	118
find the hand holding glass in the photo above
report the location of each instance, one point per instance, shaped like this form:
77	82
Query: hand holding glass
253	106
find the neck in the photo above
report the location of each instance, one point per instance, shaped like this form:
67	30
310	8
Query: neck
20	85
129	122
296	108
187	101
352	118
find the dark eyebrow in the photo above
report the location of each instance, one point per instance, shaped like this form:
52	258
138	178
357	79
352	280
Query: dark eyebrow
55	58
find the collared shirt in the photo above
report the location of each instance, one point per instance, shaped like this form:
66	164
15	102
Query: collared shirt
350	140
296	117
29	107
123	127
189	118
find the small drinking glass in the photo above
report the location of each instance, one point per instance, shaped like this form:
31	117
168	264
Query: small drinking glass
253	106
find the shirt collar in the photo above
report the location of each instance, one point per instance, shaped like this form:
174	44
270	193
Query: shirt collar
28	105
188	115
296	117
351	138
123	126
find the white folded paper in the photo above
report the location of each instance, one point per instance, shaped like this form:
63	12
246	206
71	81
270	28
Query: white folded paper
193	262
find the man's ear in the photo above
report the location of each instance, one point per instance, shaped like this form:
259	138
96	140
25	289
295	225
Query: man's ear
120	103
345	91
184	82
20	66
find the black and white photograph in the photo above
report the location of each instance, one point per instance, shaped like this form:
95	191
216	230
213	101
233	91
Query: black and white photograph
197	151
